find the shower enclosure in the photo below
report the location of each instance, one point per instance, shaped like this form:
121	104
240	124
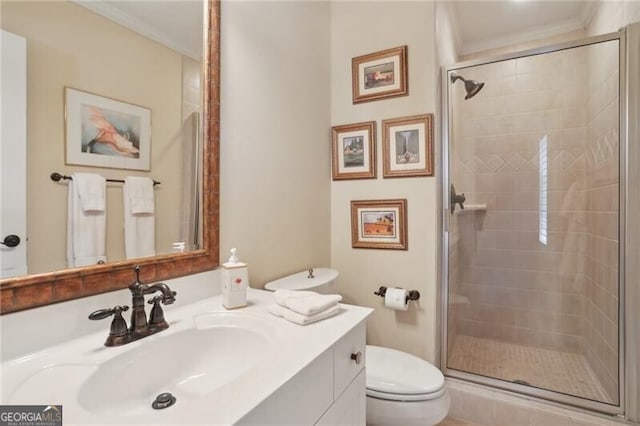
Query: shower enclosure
533	231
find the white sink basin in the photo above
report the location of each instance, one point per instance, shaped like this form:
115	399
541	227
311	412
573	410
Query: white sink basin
189	363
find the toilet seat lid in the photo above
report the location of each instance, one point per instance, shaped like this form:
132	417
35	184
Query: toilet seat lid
394	372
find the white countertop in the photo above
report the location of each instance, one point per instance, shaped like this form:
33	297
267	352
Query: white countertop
296	347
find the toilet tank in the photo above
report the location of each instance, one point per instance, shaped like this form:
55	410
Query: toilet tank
319	280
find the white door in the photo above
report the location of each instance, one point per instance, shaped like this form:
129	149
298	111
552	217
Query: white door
13	155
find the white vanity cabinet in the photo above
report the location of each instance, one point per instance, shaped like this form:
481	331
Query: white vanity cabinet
349	381
329	391
350	407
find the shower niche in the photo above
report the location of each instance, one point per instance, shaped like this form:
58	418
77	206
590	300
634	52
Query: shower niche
532	262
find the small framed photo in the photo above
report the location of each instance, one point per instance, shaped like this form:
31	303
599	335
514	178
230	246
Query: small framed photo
105	132
379	224
380	75
354	151
408	146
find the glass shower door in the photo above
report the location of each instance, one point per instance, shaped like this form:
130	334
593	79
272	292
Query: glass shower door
533	255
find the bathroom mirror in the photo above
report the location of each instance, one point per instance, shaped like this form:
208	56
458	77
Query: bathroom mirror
61	284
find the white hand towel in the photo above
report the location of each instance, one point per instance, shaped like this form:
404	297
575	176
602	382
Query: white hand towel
91	189
306	302
139	217
86	220
140	192
289	315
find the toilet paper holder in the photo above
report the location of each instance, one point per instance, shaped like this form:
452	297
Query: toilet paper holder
412	295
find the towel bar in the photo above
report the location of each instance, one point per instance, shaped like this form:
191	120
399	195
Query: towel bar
56	177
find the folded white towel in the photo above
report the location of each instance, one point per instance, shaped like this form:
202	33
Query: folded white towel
140	193
139	220
86	220
91	190
289	315
306	302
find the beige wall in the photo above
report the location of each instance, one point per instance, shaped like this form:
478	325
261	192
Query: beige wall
446	49
274	149
358	30
277	198
69	46
610	16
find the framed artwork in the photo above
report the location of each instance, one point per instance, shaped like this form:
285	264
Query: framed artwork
380	75
354	151
408	146
379	224
104	132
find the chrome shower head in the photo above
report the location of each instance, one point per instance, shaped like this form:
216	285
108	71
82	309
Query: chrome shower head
472	87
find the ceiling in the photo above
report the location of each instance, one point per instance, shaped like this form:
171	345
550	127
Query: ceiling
481	25
478	24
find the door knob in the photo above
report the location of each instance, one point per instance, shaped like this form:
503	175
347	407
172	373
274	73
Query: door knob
10	240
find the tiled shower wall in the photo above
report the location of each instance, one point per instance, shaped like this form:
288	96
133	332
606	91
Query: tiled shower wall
530	269
601	329
520	289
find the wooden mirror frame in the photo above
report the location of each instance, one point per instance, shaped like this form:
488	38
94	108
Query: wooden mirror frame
30	291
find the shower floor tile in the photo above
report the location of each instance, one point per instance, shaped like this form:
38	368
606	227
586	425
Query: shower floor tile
544	368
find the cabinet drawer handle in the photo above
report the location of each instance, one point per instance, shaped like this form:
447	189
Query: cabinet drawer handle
357	357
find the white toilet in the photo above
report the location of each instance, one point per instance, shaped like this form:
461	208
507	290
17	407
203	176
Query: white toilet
402	389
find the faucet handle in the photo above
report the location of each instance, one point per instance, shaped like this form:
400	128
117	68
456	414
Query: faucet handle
156	317
118	333
106	313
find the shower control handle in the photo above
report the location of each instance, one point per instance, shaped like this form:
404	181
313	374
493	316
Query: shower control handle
457	199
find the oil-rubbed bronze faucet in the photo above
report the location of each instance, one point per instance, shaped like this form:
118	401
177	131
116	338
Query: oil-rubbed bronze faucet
140	327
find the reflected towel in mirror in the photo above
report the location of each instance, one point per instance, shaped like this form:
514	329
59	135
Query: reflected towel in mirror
139	217
86	220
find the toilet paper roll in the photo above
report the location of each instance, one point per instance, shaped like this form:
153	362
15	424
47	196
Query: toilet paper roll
396	298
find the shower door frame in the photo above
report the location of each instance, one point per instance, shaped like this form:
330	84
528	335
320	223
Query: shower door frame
530	391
